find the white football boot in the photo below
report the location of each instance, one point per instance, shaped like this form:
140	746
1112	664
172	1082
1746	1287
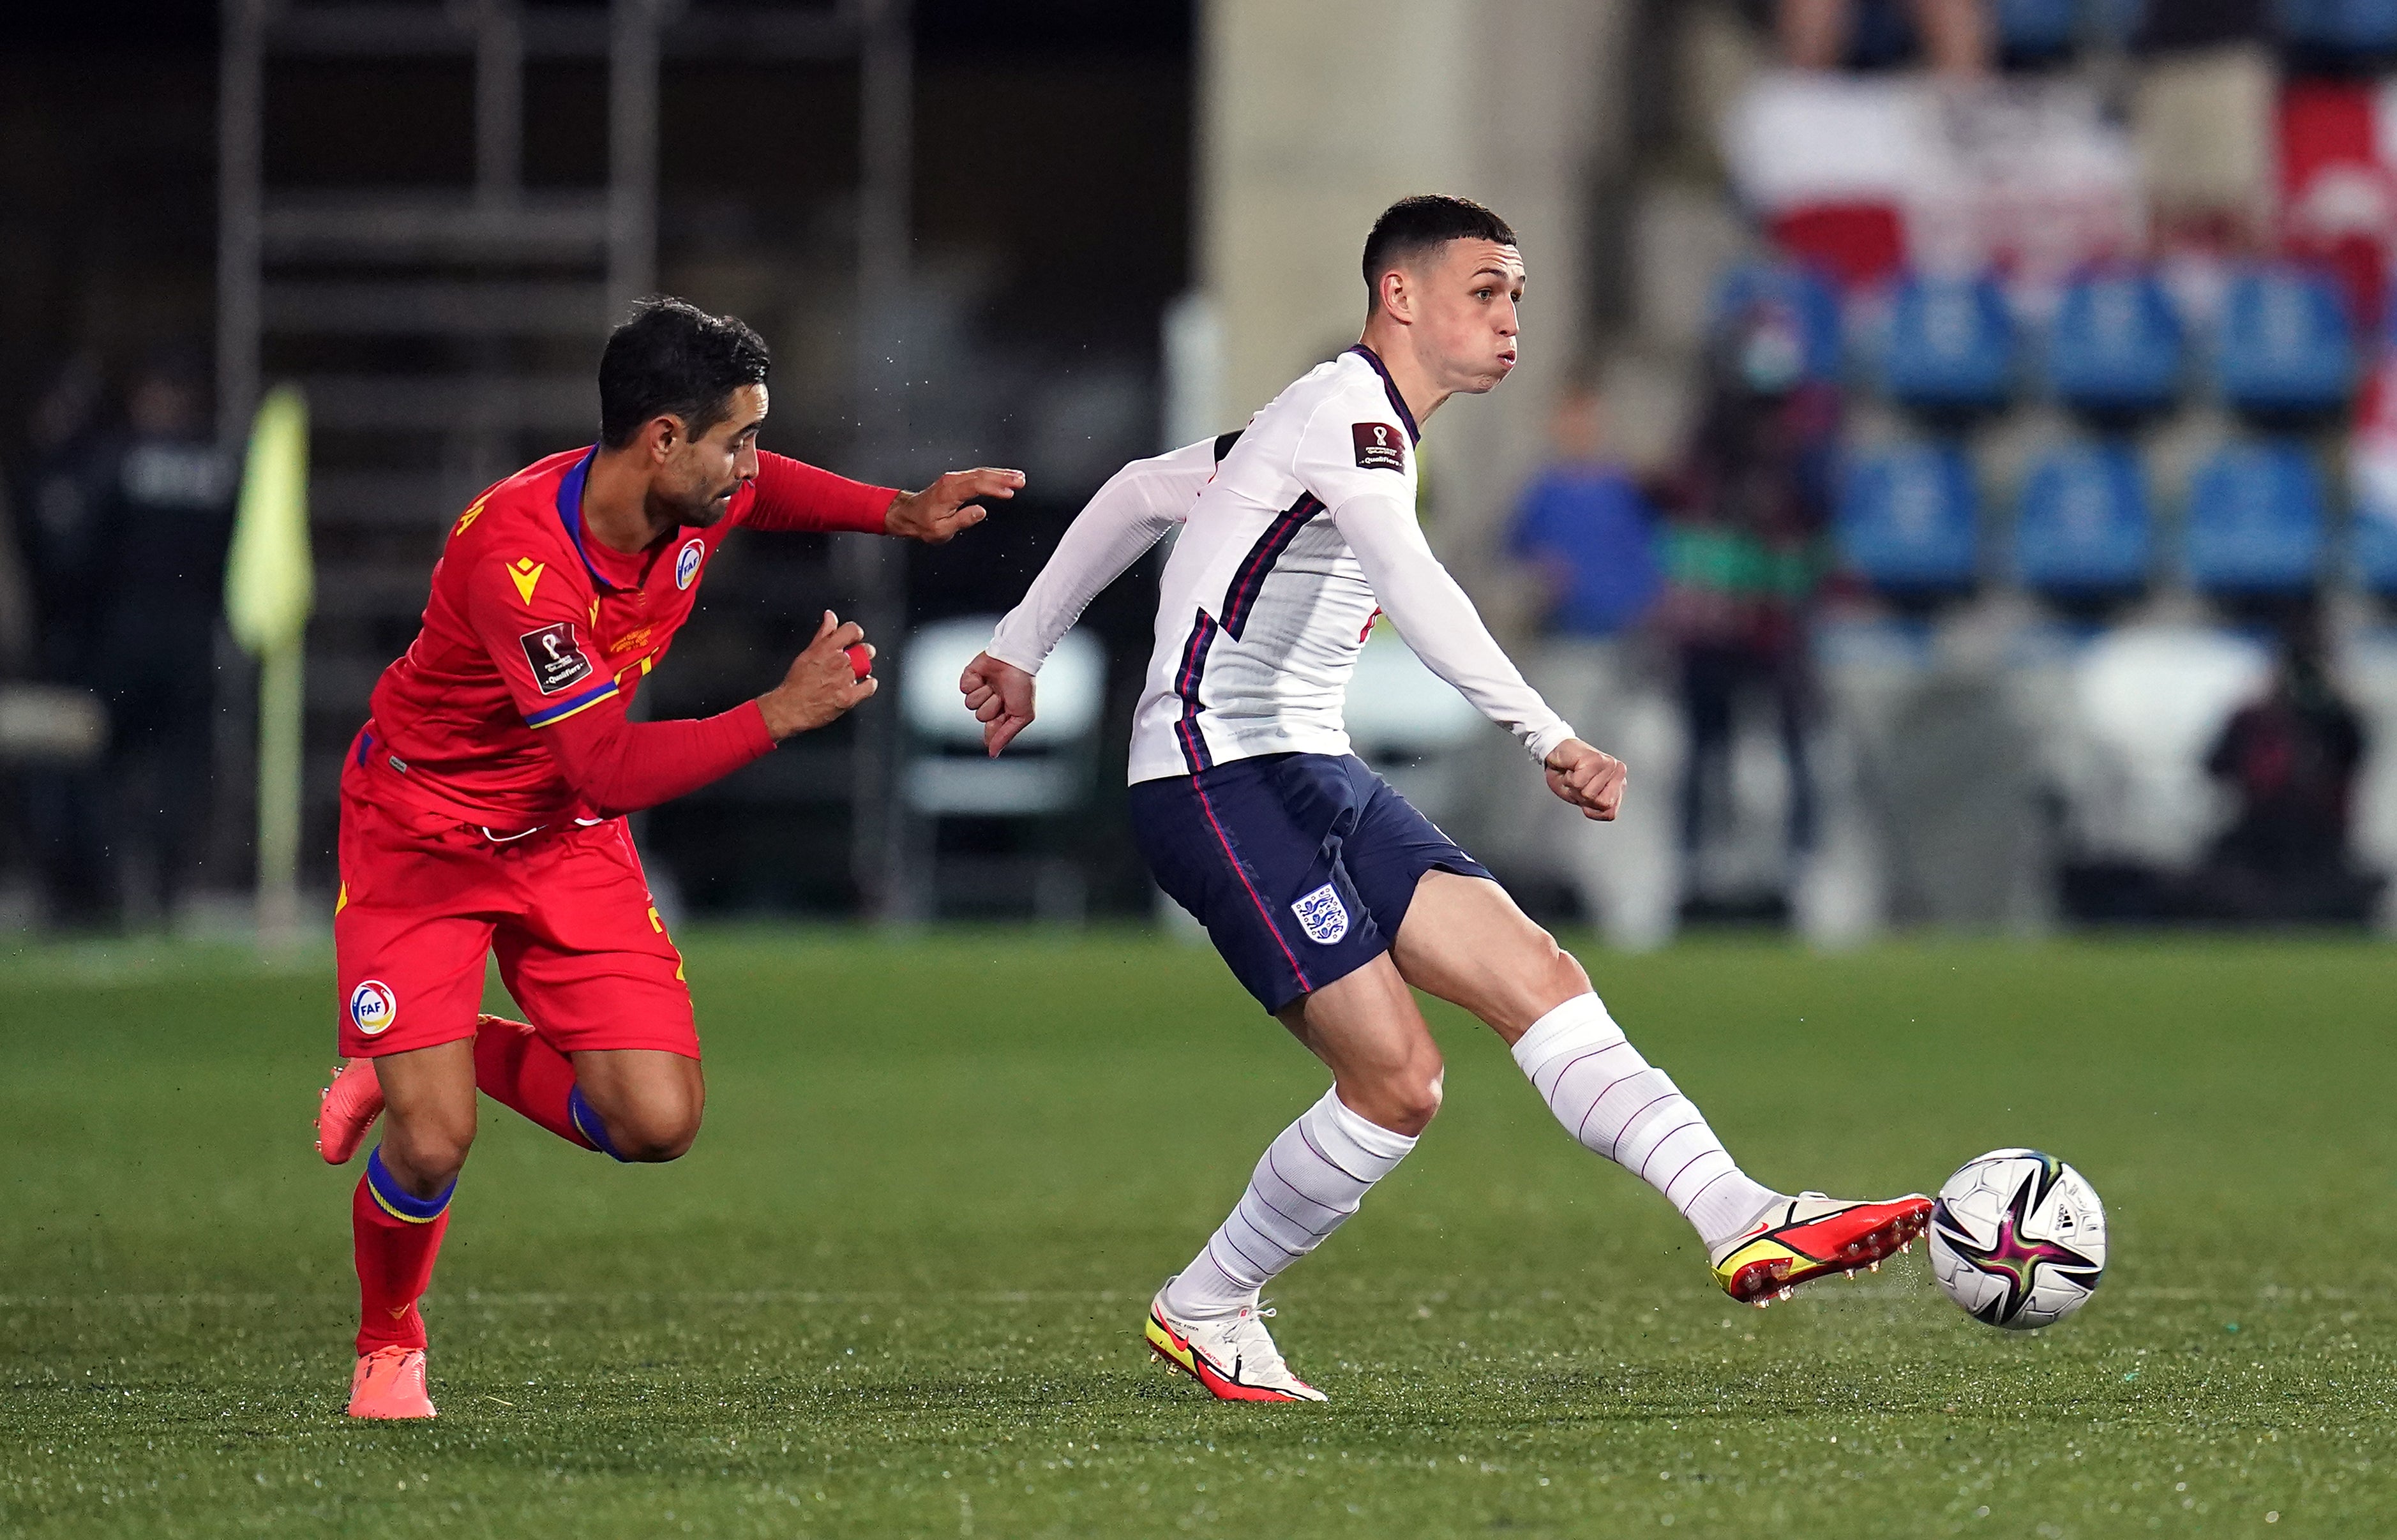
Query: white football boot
1234	1358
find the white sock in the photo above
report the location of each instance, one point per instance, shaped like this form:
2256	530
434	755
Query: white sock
1314	1176
1610	1099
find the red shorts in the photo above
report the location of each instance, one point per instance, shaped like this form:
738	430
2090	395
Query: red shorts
424	898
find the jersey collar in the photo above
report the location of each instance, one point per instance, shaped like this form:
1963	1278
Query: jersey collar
570	510
1414	434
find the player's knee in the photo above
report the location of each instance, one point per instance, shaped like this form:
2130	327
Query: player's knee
1562	972
1410	1097
428	1151
656	1134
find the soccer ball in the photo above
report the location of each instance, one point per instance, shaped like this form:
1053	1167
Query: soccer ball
2017	1240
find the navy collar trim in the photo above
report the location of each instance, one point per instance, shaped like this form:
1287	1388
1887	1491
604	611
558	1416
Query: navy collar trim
570	510
1414	434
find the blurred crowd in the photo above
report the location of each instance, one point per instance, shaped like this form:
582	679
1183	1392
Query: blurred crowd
2051	360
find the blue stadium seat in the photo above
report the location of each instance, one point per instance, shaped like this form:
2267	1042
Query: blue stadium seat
2375	549
2118	21
1906	516
1950	345
2285	346
2037	28
2083	525
1812	305
2343	26
2255	518
2115	346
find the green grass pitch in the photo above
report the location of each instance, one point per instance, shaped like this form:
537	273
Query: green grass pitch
897	1288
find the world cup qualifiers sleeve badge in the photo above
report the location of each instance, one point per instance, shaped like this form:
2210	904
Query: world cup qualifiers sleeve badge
1379	446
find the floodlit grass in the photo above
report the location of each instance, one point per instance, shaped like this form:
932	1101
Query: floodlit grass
897	1288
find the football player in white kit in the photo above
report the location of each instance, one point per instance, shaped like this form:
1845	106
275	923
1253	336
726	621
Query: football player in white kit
1326	893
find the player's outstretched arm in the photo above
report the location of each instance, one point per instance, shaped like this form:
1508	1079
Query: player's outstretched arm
1000	694
823	682
791	494
936	514
1119	524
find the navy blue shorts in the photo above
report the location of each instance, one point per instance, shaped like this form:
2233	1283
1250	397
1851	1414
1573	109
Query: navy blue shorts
1299	865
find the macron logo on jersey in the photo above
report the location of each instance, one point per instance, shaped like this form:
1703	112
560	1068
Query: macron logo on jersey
1379	446
525	573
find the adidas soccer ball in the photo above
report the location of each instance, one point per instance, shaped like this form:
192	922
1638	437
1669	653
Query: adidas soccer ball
2017	1240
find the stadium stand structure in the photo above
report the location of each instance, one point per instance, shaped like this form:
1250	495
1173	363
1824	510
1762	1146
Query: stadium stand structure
446	335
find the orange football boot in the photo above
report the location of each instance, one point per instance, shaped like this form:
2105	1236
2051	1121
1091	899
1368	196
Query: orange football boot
389	1383
346	1109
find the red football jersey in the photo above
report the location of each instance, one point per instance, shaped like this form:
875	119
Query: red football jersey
530	622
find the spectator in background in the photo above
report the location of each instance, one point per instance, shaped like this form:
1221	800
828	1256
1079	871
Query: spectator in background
62	506
1749	507
1589	537
1588	529
1954	35
2290	760
159	585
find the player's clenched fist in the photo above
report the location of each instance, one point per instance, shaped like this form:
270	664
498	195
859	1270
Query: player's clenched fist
1000	697
936	513
1590	778
823	681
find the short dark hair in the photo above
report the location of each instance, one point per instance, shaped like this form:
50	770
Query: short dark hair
1411	226
670	358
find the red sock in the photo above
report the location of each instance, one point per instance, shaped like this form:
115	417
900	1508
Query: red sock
515	1067
394	1258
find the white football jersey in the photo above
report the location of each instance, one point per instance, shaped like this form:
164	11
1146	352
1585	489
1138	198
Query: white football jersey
1295	533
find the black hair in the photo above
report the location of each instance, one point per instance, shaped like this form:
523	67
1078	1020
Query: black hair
1411	226
672	358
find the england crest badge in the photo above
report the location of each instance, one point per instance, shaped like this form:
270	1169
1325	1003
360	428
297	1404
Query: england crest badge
1323	916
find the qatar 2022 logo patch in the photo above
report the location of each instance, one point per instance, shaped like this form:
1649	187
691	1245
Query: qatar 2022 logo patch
373	1007
686	562
1323	916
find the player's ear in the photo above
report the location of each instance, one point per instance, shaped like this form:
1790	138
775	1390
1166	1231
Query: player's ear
663	433
1397	295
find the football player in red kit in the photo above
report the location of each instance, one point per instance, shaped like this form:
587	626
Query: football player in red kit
483	804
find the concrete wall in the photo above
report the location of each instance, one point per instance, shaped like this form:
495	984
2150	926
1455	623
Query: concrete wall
1315	116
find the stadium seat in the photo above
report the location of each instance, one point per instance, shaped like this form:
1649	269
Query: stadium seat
1411	725
1046	774
1905	520
1809	300
2116	22
2036	29
2375	548
2338	26
2083	524
2256	517
1950	345
2285	347
2115	345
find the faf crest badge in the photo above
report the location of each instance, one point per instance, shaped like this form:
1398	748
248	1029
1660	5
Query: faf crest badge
373	1007
687	563
1323	916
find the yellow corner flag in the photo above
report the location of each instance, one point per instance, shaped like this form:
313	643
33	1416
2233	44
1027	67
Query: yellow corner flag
270	581
270	588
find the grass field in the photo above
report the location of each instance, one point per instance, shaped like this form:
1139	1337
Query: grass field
896	1289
